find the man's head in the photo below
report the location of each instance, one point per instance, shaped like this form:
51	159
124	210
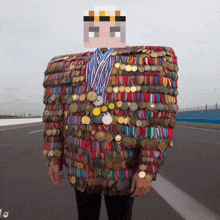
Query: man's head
104	28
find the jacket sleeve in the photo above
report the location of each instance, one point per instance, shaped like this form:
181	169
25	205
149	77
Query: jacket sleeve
53	117
161	116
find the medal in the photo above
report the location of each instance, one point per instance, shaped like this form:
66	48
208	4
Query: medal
92	96
98	101
96	111
107	119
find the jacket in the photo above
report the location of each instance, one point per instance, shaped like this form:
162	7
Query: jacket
103	141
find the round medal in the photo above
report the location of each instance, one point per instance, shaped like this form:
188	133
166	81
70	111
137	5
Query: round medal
148	178
134	68
127	89
92	96
142	174
121	88
82	97
116	89
104	108
133	89
96	111
118	138
111	106
121	120
128	68
107	119
98	101
117	65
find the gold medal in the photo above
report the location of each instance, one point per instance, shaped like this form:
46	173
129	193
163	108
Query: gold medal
117	65
138	88
121	88
142	174
118	138
96	111
45	152
75	97
111	106
143	167
104	108
133	89
154	54
126	120
92	96
51	163
122	66
134	68
82	97
85	120
73	179
121	120
128	68
109	89
171	143
116	89
127	89
119	104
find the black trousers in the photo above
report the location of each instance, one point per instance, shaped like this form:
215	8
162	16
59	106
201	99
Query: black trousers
89	205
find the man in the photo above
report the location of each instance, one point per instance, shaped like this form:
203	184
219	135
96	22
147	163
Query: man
109	116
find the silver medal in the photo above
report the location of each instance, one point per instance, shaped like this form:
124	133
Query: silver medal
107	119
156	154
98	101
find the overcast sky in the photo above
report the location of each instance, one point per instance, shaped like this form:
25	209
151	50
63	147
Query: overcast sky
34	31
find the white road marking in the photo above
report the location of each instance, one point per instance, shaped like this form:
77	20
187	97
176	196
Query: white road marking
35	131
6	129
184	204
197	128
15	121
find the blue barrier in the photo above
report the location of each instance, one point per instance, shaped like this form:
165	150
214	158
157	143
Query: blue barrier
204	116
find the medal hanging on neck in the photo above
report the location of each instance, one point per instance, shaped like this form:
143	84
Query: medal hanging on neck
99	68
97	77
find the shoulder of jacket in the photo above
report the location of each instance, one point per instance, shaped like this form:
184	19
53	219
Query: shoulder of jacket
70	57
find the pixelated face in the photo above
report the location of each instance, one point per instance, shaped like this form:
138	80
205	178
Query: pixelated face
104	33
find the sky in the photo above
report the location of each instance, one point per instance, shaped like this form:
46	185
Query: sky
34	31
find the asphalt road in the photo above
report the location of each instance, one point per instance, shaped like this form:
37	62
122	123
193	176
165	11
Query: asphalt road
192	168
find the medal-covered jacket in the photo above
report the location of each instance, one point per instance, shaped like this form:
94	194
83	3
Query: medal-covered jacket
103	142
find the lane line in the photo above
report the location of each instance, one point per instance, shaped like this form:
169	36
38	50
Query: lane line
180	201
198	128
35	131
6	129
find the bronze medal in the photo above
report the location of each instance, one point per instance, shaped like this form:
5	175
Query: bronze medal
73	107
143	167
100	136
141	69
147	67
172	122
126	141
162	146
115	71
